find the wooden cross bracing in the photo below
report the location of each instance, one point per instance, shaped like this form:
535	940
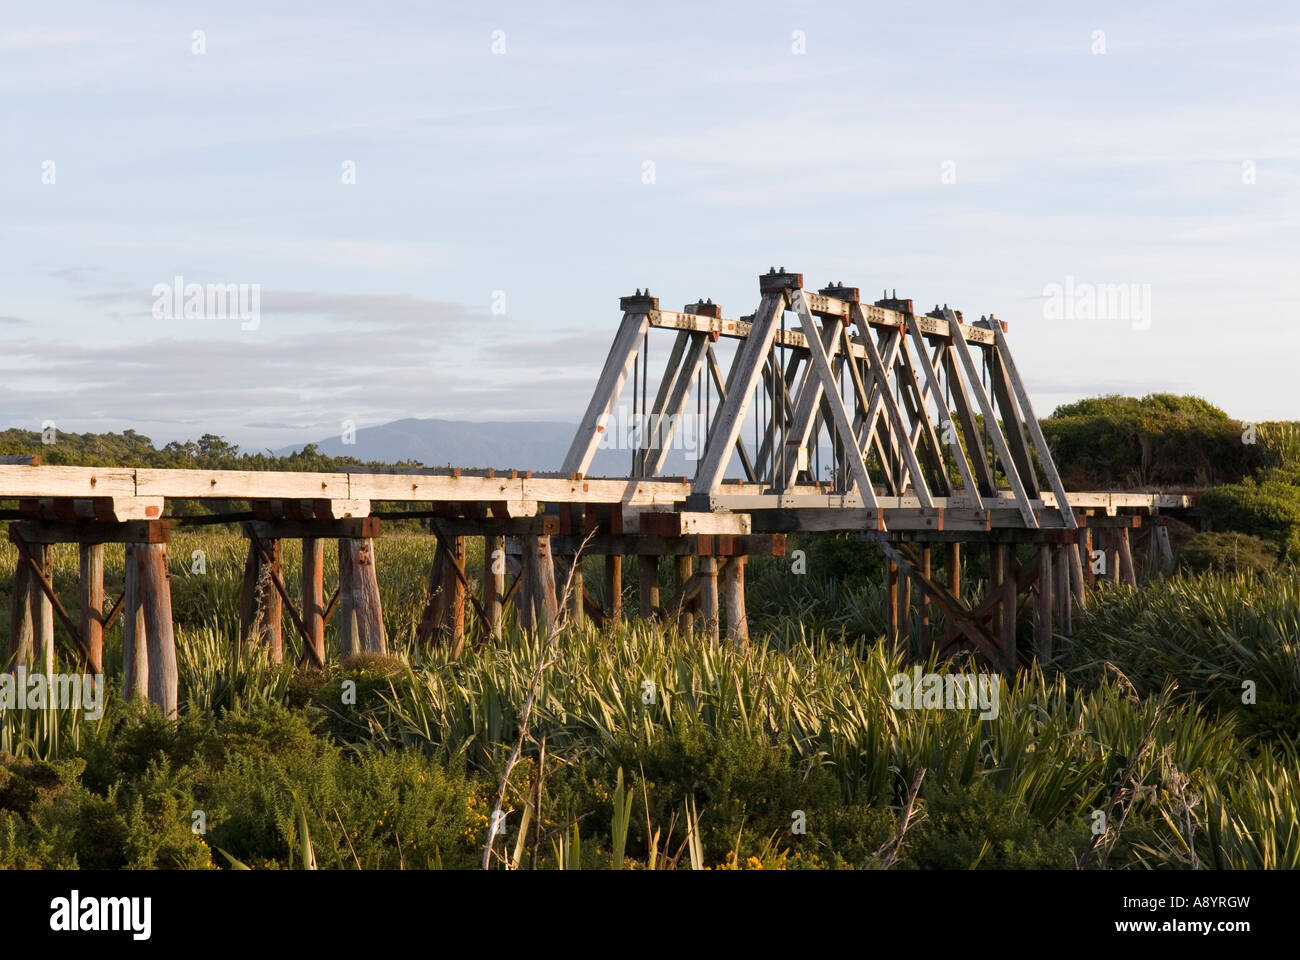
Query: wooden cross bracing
922	407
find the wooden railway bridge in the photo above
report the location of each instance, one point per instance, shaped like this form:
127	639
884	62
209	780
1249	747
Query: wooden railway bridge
909	430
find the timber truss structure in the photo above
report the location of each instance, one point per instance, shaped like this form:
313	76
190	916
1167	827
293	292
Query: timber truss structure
819	414
915	412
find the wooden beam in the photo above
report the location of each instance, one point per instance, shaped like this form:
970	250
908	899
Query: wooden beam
618	364
752	355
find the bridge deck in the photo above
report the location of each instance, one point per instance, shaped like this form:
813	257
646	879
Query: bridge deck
123	493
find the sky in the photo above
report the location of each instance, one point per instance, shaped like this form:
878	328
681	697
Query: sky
439	205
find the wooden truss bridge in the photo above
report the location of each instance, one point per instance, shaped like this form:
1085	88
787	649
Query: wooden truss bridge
817	413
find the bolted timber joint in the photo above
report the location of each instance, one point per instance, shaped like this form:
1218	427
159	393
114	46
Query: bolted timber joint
776	281
639	302
893	302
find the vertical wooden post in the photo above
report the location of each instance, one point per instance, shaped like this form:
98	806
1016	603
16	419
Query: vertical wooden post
614	590
349	636
1078	579
432	615
996	563
453	595
274	604
737	618
954	569
494	582
1164	548
708	580
135	650
250	609
685	613
91	584
156	603
366	601
526	593
547	601
1043	604
1112	555
1009	608
42	610
891	602
647	569
906	624
21	649
312	597
1128	573
1061	564
577	601
924	645
1086	548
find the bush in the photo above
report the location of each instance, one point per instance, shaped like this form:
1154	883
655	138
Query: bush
1116	441
1227	553
1268	509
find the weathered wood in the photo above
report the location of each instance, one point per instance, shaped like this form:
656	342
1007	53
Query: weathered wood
1128	573
924	642
272	600
156	605
618	364
431	617
614	589
753	354
349	635
577	592
548	601
843	427
891	407
526	595
737	617
21	632
647	567
685	612
891	603
135	649
251	609
452	627
991	425
1010	611
1043	605
1164	548
42	608
494	583
362	609
91	587
708	581
954	568
1078	582
312	599
996	565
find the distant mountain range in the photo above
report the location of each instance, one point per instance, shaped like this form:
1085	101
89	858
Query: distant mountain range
537	445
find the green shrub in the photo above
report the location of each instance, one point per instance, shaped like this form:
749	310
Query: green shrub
1227	553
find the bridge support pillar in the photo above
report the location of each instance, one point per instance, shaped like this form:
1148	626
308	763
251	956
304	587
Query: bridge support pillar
737	618
685	604
361	628
260	605
614	589
312	598
494	583
647	570
709	596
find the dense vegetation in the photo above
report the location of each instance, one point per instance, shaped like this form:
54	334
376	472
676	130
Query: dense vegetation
1173	711
737	745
